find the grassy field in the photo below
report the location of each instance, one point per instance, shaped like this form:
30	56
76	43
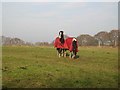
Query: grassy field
40	67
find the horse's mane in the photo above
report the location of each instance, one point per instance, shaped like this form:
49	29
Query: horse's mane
61	37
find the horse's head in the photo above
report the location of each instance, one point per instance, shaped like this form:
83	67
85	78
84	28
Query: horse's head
74	39
61	36
74	45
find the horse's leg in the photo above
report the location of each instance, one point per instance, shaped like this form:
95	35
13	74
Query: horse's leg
59	55
70	54
60	52
73	56
64	53
57	51
74	53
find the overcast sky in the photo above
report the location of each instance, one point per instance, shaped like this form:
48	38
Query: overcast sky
41	21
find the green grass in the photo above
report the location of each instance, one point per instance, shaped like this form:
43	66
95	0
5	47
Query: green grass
42	68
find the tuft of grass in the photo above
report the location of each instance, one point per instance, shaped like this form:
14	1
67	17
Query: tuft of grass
40	67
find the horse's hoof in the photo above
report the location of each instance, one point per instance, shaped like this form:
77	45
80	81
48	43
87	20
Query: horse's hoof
73	56
59	55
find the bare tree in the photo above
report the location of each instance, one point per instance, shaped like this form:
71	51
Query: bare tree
42	44
103	38
6	40
113	35
12	41
86	40
29	44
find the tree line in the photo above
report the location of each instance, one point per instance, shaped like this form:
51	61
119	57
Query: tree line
102	38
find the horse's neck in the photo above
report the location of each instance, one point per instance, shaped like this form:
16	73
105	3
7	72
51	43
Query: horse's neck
59	36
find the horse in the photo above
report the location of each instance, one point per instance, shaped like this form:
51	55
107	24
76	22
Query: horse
72	46
60	44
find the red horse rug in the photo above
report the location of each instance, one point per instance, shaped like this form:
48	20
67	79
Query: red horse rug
58	44
67	43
